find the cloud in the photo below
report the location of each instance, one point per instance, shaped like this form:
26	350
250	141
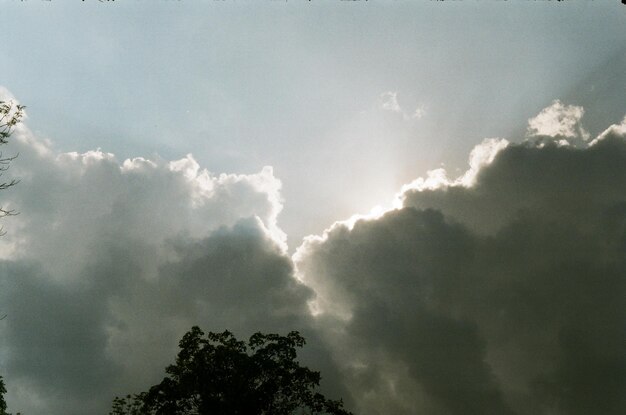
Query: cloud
613	130
389	102
558	120
110	262
502	294
496	292
419	112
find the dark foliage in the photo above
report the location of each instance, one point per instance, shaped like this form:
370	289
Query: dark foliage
3	404
218	374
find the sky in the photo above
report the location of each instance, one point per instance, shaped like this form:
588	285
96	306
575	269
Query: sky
431	192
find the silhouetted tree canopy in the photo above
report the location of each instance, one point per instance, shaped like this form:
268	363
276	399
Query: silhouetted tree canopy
218	374
3	404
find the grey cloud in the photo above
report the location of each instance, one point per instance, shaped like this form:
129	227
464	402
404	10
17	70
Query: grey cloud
52	341
110	263
551	181
395	275
498	293
506	296
113	328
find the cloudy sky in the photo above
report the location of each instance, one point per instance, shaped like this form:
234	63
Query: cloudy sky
433	193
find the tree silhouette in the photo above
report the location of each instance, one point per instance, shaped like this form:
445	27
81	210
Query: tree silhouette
10	115
3	404
218	374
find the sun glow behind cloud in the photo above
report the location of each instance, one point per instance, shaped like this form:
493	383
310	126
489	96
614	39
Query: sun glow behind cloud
557	122
500	279
486	279
518	260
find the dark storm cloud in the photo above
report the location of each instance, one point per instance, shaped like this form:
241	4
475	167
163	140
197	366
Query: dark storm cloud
506	296
53	343
112	330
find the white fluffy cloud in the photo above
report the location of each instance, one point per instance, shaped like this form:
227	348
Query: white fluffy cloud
110	262
558	120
